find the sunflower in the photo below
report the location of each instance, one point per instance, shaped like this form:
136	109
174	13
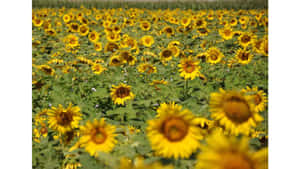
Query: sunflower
145	25
234	110
97	136
173	133
93	36
111	47
203	31
74	27
233	21
174	43
245	39
71	40
67	18
214	55
259	98
98	69
64	119
139	163
115	60
146	67
175	50
50	32
168	30
189	68
226	33
121	93
230	153
264	47
116	29
46	69
185	21
72	165
256	45
166	55
37	22
200	22
243	56
127	57
98	46
113	37
84	30
147	40
201	56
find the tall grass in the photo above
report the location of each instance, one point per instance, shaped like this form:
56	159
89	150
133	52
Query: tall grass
158	4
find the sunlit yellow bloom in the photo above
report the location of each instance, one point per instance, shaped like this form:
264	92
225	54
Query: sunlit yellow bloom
84	30
64	119
226	33
116	60
97	136
214	55
145	25
72	165
147	40
113	37
189	68
121	93
166	54
246	38
230	153
234	110
47	69
93	36
74	27
128	57
111	47
37	22
173	133
243	56
98	46
259	97
98	69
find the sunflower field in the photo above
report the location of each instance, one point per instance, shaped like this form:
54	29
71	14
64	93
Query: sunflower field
136	88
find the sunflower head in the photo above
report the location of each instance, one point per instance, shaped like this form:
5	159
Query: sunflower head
147	40
145	25
173	133
93	36
234	110
226	33
166	55
230	153
46	69
116	60
189	68
243	56
258	96
245	39
128	57
214	55
97	136
98	69
83	30
121	93
111	47
64	119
